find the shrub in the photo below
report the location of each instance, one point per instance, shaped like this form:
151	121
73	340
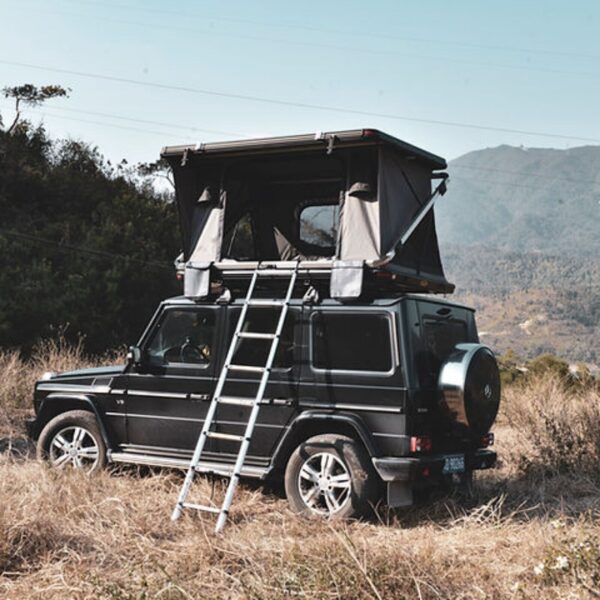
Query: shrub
558	427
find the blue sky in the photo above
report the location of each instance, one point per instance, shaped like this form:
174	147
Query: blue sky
519	65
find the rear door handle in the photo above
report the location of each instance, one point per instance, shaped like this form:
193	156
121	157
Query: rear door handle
200	397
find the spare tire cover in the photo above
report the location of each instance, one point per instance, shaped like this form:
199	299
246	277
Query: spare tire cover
469	383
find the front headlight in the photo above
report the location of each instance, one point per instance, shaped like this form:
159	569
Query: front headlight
47	375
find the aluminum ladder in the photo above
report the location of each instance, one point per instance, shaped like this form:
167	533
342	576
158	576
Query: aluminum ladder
252	403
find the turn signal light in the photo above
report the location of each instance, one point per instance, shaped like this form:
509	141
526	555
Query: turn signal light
420	444
486	440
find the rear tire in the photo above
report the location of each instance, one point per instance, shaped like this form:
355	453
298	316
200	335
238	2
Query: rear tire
73	440
331	476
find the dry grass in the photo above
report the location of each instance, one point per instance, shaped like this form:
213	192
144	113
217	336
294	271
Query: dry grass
533	533
17	377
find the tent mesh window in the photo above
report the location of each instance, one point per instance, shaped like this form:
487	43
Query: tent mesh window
238	242
319	225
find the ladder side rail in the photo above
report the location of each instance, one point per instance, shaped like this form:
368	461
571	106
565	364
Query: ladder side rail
234	338
245	444
185	488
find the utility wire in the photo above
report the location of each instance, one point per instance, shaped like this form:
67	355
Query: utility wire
329	46
362	34
527	175
451	166
44	112
72	248
150	122
289	103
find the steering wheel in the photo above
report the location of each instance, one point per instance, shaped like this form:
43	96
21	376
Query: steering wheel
203	352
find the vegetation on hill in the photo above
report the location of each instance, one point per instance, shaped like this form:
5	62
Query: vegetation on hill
86	247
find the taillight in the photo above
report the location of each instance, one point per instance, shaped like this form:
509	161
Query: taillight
486	440
420	444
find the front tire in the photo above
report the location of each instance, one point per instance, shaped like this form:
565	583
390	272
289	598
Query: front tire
330	476
73	440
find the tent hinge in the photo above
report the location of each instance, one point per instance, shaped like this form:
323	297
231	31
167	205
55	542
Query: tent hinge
184	158
330	138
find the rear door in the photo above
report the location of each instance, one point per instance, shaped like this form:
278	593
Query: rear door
282	387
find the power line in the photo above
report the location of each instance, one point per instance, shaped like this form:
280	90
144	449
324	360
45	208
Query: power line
83	250
353	33
44	111
451	166
289	103
159	123
503	171
329	46
500	183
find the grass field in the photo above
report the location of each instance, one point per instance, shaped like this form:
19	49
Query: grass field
533	531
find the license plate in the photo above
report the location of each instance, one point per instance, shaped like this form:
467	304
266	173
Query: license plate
454	464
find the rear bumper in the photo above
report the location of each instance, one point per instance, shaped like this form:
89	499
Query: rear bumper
413	468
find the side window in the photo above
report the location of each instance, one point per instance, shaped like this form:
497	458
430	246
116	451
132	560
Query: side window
351	342
183	337
253	351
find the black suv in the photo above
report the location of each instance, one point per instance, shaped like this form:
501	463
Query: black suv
369	399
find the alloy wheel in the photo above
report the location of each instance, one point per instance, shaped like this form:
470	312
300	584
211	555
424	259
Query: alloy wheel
324	484
74	446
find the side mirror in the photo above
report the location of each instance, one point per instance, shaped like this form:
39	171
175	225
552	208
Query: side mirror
134	356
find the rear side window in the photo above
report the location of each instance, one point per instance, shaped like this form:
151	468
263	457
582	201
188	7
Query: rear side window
351	342
255	352
440	337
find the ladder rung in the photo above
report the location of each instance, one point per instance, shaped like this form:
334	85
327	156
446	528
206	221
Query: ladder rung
253	335
276	272
265	302
202	507
236	401
248	368
225	436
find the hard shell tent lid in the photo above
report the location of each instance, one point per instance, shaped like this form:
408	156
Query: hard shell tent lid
342	201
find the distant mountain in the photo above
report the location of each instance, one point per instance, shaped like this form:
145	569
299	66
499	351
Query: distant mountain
524	200
519	231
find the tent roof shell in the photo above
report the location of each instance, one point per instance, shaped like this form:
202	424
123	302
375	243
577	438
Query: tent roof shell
333	139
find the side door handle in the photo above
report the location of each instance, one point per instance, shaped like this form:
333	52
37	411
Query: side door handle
200	397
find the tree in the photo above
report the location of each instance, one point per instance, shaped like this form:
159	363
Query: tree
86	248
158	169
31	95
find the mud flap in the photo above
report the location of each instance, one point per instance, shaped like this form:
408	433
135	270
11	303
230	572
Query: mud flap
399	494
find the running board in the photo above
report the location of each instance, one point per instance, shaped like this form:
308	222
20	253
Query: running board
180	463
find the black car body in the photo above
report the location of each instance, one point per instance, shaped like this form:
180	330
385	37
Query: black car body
369	370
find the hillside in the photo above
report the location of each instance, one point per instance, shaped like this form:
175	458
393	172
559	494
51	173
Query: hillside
525	200
520	236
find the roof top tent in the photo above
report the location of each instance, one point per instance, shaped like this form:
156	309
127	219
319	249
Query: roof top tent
354	207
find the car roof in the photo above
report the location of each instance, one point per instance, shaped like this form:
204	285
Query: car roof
371	302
